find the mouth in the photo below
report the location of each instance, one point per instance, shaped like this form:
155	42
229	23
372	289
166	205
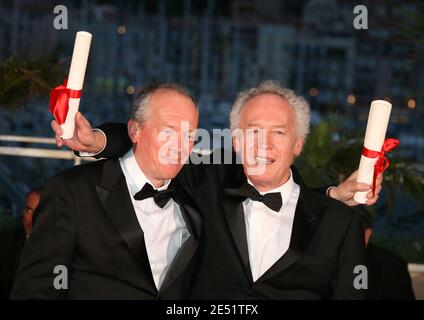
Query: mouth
170	160
264	160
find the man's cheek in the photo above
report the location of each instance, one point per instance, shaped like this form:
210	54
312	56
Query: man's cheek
168	152
185	155
249	151
186	148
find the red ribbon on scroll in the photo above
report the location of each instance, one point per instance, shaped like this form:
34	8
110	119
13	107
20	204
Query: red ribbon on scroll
59	99
382	162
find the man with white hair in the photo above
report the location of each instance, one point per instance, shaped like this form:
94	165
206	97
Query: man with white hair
266	235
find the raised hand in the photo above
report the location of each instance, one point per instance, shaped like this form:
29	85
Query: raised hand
84	139
345	191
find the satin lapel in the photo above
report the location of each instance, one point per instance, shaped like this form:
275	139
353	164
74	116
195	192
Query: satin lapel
190	212
188	249
307	217
115	198
234	214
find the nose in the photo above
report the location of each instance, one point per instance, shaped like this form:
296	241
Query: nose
174	151
264	142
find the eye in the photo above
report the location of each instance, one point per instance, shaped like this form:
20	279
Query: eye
167	132
253	131
279	132
191	136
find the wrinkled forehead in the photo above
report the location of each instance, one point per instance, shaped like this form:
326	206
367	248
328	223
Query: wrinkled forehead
175	120
172	109
267	110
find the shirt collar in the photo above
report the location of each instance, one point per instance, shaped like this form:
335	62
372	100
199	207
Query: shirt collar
135	175
285	189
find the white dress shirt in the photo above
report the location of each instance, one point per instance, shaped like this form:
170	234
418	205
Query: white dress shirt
164	228
269	232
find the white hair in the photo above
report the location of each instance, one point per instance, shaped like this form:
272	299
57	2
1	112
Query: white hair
298	103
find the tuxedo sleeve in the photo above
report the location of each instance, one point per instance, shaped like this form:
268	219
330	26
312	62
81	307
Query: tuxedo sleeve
50	246
117	140
322	190
403	289
351	264
118	143
299	180
213	170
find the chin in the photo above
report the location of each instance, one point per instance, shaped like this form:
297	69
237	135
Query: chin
264	178
170	171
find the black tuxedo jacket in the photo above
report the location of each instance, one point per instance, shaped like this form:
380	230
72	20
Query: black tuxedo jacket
12	240
326	242
86	222
388	275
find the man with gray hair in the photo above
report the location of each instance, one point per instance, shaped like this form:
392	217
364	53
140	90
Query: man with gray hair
119	229
266	235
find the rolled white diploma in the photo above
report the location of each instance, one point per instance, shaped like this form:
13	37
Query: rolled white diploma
76	79
375	134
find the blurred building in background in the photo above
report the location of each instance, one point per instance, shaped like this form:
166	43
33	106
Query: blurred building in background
217	48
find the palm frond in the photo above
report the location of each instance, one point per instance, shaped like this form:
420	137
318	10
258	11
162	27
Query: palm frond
329	156
21	80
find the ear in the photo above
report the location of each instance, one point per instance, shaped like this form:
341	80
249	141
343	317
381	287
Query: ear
298	146
133	130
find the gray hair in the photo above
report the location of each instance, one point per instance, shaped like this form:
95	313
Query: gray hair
140	108
299	105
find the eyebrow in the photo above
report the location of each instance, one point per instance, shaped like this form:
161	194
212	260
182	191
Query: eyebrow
176	127
169	126
256	124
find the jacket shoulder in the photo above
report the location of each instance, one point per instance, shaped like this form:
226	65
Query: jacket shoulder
334	215
85	172
340	211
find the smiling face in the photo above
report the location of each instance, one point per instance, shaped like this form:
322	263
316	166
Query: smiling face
272	117
164	141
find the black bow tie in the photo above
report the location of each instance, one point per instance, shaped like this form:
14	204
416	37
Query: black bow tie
271	200
161	198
